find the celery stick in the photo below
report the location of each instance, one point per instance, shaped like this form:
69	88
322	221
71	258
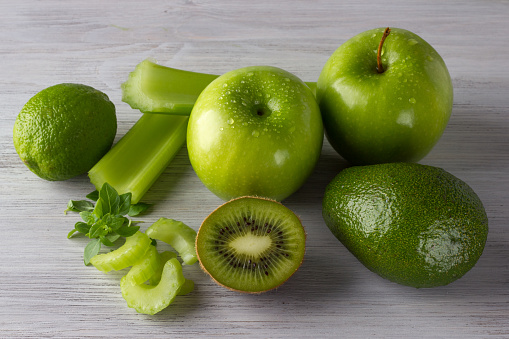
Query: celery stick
159	89
137	160
153	88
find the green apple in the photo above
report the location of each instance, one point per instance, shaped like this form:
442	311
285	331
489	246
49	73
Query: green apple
255	131
395	115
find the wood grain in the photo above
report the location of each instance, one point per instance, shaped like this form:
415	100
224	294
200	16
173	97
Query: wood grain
45	291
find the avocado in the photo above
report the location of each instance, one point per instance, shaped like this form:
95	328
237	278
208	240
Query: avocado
413	224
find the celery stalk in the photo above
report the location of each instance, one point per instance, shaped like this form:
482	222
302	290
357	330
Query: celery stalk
153	88
158	89
140	156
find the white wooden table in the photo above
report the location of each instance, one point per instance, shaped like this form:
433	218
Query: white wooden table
45	291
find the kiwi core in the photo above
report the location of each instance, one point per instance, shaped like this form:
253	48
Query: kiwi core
251	245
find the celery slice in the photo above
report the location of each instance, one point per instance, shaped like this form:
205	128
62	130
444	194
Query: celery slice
149	299
164	257
159	89
188	285
154	88
139	158
178	235
126	255
145	267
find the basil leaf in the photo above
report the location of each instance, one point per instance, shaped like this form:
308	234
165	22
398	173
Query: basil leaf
110	199
79	206
112	237
98	210
82	227
138	209
106	241
124	203
70	234
127	231
94	195
88	217
92	248
98	229
116	222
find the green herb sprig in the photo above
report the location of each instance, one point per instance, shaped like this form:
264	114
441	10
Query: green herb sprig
105	222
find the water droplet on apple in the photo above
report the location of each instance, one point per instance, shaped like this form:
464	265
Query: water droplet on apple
249	74
412	100
429	57
255	134
244	103
225	84
412	42
230	121
287	79
220	128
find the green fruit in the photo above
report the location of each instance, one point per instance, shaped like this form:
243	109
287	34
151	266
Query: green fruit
255	131
393	116
251	244
413	224
63	130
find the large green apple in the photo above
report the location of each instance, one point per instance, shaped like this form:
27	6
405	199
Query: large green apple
255	131
395	115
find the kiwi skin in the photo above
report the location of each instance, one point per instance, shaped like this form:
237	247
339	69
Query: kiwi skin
240	290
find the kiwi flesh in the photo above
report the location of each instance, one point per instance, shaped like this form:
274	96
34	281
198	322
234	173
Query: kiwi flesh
251	244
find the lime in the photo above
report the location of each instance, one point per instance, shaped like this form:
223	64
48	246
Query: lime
63	130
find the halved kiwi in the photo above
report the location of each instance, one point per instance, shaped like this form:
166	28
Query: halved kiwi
251	244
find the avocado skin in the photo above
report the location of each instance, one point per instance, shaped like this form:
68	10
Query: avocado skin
413	224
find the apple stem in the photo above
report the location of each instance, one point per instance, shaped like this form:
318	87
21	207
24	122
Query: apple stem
380	68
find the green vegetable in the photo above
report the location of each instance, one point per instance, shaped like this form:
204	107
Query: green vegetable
150	299
126	255
188	286
137	160
178	235
158	89
164	257
104	222
153	88
145	267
